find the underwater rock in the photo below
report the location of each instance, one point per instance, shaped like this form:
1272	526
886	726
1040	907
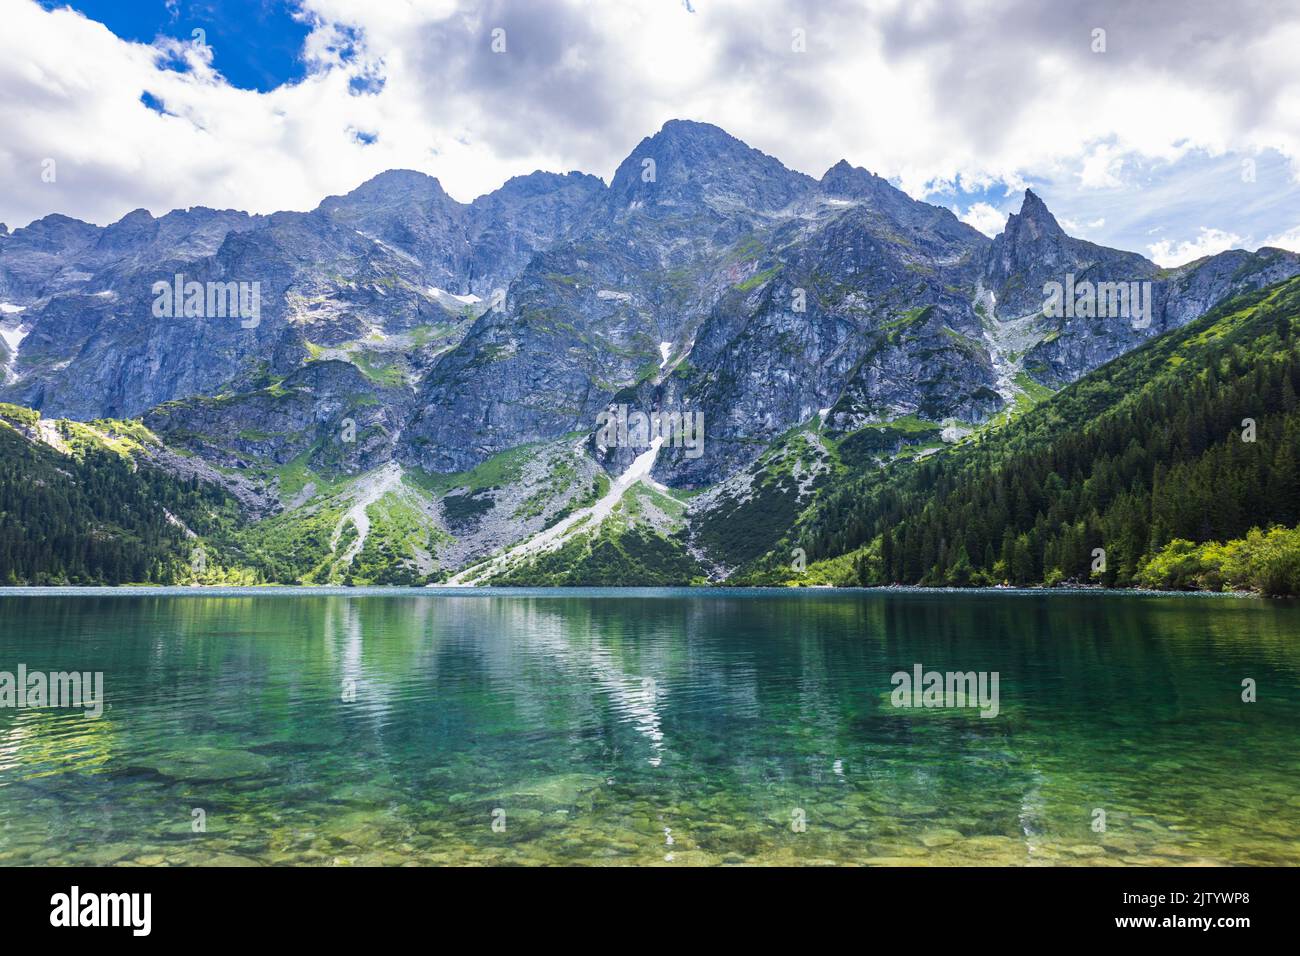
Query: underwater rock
206	763
935	838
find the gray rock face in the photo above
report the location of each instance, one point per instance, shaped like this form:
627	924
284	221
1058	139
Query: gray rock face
476	248
1191	291
706	277
770	293
702	170
327	411
526	216
587	317
386	258
30	258
862	315
1033	250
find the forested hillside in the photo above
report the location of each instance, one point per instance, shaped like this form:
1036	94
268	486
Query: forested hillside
93	516
1192	438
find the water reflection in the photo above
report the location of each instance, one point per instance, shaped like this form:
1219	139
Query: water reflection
629	728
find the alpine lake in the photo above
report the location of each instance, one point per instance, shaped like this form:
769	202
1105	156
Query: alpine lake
670	727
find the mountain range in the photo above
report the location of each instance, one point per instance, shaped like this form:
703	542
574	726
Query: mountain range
418	398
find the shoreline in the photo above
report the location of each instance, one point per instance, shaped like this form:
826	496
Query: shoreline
438	590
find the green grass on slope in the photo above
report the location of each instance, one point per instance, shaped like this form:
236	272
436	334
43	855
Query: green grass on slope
609	558
639	544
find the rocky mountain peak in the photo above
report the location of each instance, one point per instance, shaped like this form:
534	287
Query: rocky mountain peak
134	218
850	182
674	285
844	181
1031	242
538	183
1035	217
137	228
390	188
689	162
1033	249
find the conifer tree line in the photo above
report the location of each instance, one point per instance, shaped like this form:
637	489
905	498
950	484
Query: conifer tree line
1195	437
94	518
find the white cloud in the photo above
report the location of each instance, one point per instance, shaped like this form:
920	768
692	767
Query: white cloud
1208	242
1285	240
977	92
1101	167
984	218
1075	228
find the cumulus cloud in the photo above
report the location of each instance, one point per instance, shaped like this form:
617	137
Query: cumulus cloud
984	218
1083	229
1101	167
1285	240
932	95
1208	242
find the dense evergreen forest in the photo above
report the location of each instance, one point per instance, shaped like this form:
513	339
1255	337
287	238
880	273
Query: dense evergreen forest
1191	439
94	517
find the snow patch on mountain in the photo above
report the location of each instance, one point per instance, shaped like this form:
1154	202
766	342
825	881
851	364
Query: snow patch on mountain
468	299
12	333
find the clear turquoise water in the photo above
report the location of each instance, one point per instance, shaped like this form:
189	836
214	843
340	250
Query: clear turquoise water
653	727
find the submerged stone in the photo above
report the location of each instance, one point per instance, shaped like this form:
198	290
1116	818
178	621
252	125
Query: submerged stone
207	763
933	838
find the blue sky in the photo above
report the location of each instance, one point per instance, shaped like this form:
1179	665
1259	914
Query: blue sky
1192	201
258	44
1137	140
